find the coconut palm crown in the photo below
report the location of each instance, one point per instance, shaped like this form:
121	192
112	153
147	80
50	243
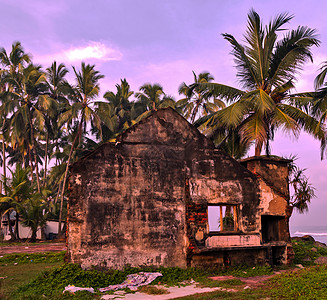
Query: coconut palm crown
266	69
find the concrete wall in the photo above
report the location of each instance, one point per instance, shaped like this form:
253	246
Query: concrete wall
127	200
25	232
144	199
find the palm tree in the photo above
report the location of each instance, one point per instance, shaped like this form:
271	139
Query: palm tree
16	192
31	101
120	106
81	112
303	191
13	65
266	69
152	97
319	98
3	121
57	85
16	60
34	212
196	99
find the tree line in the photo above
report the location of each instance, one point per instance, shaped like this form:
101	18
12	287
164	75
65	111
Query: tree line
47	122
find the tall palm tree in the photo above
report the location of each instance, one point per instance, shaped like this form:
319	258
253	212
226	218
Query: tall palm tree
3	122
57	84
318	99
16	60
81	112
121	106
152	97
31	102
196	99
266	69
13	64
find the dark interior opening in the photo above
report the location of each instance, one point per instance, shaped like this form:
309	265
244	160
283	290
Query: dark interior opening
270	228
277	255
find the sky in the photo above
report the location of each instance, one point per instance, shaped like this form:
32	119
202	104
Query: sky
163	42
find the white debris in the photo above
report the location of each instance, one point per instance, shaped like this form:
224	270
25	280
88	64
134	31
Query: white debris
73	289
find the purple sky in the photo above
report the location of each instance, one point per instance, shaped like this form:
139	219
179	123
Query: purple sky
163	41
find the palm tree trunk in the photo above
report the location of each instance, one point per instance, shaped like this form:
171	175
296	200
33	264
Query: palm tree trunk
58	193
46	159
17	225
258	148
30	161
33	237
34	154
195	111
4	164
3	158
65	177
11	232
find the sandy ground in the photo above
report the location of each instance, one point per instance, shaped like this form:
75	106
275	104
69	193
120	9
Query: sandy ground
174	292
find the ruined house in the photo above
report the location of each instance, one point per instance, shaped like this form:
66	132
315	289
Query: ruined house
163	195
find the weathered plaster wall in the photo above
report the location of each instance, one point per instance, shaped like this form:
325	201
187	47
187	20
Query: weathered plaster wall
127	200
144	199
216	178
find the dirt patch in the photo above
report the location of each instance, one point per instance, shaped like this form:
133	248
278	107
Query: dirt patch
32	248
252	282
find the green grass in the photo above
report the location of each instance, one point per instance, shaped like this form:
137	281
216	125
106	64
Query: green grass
50	284
16	275
303	250
32	258
31	283
245	271
152	290
309	283
229	283
26	243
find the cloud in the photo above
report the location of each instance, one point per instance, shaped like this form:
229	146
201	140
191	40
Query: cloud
92	51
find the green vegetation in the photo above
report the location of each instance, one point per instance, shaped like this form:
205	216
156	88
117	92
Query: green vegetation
32	258
304	254
57	276
266	69
152	290
47	121
51	283
308	283
13	276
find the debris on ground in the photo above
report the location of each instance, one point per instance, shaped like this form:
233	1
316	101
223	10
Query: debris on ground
73	289
133	281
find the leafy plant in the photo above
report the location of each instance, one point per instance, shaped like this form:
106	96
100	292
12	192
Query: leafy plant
304	254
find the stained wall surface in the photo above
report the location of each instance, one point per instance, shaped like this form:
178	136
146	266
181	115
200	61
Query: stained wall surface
144	199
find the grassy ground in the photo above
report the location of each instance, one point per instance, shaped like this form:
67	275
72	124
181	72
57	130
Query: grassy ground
16	275
309	283
24	279
26	242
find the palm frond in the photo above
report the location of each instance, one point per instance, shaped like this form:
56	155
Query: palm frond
224	92
245	71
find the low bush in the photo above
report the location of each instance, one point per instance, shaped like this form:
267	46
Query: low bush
51	284
304	254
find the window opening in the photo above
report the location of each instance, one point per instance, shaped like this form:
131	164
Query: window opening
222	218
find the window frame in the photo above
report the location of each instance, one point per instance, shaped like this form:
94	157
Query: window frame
235	208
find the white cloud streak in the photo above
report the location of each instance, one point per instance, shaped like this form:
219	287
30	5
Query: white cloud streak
92	51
